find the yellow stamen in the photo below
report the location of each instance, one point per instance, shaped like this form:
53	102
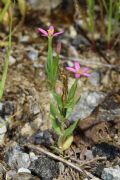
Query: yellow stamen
80	71
50	32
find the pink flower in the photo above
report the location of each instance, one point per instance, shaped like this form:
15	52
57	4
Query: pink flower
50	32
78	71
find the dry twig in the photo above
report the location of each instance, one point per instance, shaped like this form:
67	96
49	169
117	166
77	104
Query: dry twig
58	158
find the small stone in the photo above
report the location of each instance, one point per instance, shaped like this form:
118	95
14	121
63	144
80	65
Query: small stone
3	128
8	108
33	54
16	158
45	168
24	39
10	174
2	171
106	150
27	130
95	78
1	107
111	173
24	170
2	139
12	60
43	138
33	157
88	155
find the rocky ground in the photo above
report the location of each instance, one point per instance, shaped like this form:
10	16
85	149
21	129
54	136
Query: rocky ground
24	111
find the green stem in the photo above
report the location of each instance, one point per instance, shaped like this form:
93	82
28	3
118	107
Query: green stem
6	65
50	60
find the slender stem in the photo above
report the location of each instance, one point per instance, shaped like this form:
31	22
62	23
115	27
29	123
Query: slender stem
6	65
109	22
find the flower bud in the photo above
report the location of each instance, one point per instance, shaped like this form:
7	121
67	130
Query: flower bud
58	49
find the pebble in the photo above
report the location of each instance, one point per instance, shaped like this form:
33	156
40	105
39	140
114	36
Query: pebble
45	168
24	170
33	157
44	4
111	173
16	158
12	175
44	138
33	54
3	130
24	39
95	78
12	60
106	150
2	171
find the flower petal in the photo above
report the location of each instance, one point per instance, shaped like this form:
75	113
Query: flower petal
43	31
58	33
86	69
71	69
77	75
51	28
77	65
86	74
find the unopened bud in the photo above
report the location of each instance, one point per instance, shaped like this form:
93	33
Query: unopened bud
58	49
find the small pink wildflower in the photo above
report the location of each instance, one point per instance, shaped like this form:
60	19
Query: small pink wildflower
50	32
78	71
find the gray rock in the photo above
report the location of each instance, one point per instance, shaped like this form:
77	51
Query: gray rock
12	60
24	39
45	168
86	104
109	110
95	78
111	173
3	127
44	4
24	170
44	138
2	136
33	54
8	108
89	155
33	157
12	175
16	158
2	170
3	130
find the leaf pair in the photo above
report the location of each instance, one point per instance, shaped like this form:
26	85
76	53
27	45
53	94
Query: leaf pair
71	101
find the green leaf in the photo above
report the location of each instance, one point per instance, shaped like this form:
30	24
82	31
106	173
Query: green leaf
55	123
67	143
58	99
69	131
69	111
56	126
54	112
72	91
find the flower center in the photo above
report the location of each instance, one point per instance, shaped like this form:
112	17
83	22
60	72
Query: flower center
50	32
80	71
